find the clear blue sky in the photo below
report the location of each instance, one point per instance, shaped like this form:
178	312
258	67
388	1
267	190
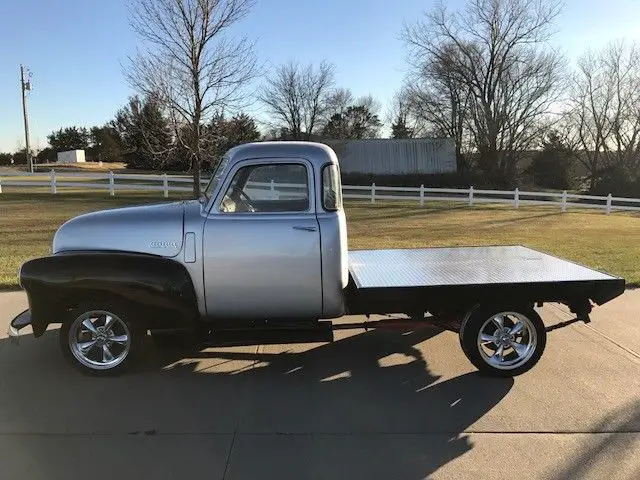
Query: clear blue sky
75	49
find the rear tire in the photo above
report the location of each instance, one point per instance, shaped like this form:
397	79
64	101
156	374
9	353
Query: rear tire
98	338
503	342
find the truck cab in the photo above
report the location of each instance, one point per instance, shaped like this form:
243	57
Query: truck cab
273	233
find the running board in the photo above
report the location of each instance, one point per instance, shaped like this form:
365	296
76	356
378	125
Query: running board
319	332
402	324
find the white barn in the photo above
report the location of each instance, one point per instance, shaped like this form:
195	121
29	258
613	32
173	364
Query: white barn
72	156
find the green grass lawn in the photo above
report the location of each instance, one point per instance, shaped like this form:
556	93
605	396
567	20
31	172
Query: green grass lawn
605	242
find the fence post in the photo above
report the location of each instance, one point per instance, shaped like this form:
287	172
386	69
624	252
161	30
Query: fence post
471	196
608	204
53	182
373	193
516	198
564	201
422	195
272	186
112	187
0	184
165	185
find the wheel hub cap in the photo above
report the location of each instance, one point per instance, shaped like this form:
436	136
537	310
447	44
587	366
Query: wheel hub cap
503	337
507	340
101	335
99	340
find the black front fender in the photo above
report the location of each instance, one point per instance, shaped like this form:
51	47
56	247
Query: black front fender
159	289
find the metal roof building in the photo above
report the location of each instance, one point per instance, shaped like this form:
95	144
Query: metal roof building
382	156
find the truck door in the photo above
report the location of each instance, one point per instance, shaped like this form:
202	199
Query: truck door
262	244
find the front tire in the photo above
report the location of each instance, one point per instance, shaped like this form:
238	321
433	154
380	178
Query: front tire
99	339
503	342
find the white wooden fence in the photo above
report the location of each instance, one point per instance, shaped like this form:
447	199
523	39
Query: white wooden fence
111	182
473	196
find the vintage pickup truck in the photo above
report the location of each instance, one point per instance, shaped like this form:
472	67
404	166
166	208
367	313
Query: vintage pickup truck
263	254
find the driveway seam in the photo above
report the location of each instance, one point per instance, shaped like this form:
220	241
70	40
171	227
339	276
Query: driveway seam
226	466
240	414
626	349
631	352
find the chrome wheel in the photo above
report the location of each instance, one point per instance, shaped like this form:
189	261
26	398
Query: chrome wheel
507	340
99	340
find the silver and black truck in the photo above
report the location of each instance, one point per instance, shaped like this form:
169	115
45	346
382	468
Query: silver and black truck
263	255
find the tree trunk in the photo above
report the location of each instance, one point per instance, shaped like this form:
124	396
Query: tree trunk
592	181
196	176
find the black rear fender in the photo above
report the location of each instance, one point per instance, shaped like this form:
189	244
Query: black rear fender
158	291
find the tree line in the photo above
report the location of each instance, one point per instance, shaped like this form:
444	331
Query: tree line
486	75
140	135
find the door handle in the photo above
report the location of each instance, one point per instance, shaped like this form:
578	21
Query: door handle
305	229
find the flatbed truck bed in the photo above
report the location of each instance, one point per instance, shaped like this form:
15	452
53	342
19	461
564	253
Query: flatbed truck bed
439	279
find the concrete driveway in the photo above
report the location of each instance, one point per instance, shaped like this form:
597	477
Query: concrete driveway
377	405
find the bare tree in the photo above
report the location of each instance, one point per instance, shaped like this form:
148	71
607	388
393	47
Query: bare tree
438	99
296	97
408	113
191	66
622	64
338	101
346	117
397	115
490	59
605	98
592	95
357	121
369	103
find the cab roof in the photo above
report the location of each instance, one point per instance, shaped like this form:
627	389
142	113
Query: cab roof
316	153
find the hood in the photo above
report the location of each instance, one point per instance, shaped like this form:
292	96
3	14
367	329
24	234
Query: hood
154	229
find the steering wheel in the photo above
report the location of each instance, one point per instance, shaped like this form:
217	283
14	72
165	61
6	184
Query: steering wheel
240	197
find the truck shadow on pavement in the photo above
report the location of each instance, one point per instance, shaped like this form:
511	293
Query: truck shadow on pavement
365	406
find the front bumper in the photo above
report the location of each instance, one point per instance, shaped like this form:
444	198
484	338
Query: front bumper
18	324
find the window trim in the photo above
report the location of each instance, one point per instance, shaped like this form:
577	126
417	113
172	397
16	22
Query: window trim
324	207
217	205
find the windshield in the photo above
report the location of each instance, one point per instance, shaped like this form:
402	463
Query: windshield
214	181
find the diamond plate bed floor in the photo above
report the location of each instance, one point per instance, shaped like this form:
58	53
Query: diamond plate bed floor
463	266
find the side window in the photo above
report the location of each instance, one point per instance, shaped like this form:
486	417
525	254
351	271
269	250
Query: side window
268	188
331	194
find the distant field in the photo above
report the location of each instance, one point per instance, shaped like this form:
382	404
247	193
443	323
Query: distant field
79	167
606	242
86	166
89	167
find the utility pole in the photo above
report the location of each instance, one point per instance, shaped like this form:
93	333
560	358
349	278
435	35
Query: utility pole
26	87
